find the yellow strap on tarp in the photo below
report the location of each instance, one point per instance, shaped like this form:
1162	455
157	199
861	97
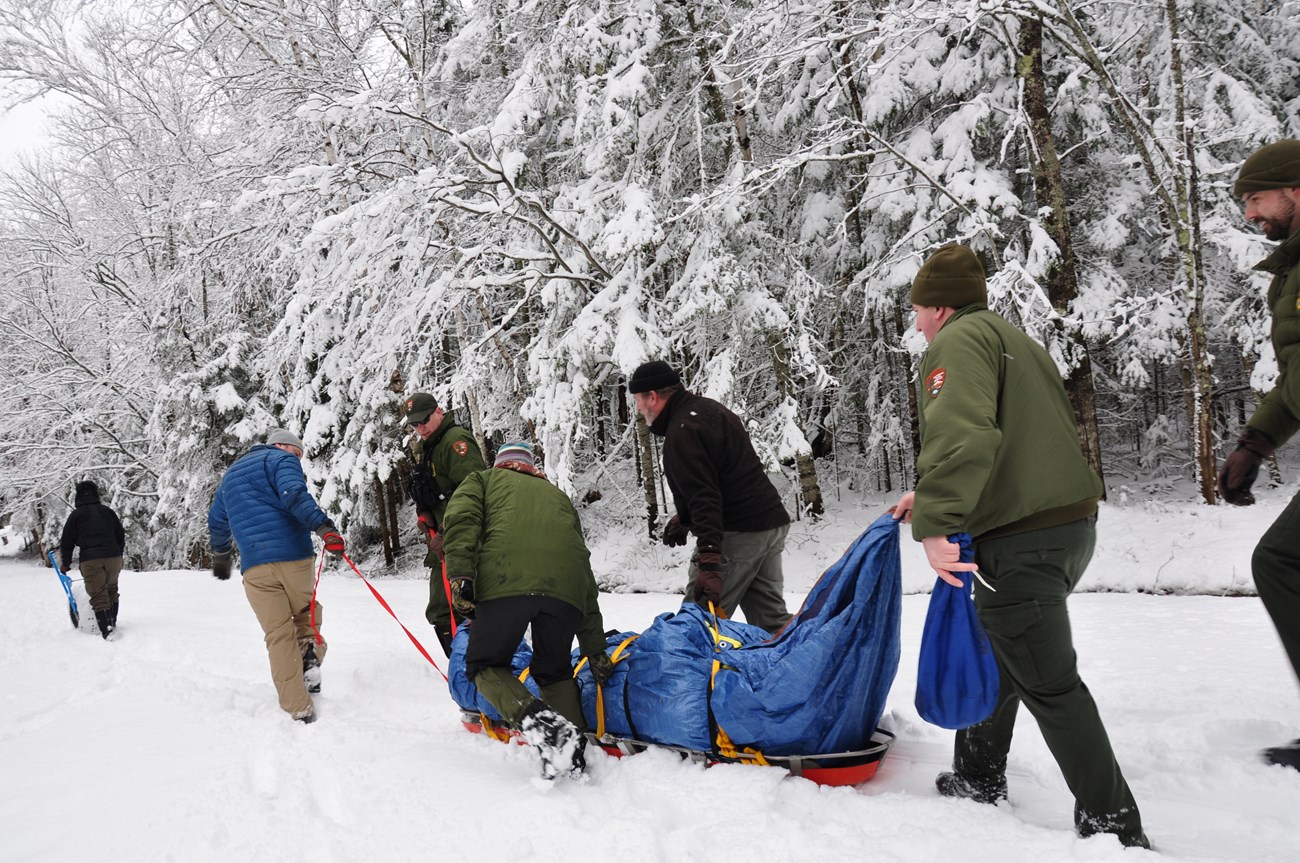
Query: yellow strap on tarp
716	631
619	654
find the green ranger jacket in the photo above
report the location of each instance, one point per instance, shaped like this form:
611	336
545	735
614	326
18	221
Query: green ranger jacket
999	443
516	534
1278	414
441	464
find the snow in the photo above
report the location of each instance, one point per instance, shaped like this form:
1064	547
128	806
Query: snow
166	743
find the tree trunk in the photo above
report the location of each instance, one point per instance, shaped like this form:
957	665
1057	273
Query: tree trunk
394	495
646	469
385	529
913	409
1049	189
1187	225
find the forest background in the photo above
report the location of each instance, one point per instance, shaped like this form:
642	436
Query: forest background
289	213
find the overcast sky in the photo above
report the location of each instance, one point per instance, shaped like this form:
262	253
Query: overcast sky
21	130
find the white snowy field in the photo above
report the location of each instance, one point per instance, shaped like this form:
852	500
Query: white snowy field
166	743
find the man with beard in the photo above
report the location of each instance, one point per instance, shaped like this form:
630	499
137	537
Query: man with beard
1269	184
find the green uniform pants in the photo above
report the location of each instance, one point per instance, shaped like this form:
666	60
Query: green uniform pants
1029	628
438	611
1276	568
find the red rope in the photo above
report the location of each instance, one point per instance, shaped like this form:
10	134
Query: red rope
315	587
387	607
446	590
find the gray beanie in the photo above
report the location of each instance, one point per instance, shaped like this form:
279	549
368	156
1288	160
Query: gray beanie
1273	166
952	276
286	437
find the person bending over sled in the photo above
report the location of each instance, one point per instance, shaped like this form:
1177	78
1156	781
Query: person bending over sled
516	558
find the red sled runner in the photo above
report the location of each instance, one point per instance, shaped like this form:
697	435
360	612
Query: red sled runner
837	769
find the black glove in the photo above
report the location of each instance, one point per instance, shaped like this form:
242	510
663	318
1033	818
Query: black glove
675	533
708	581
329	535
462	597
602	667
1238	471
221	564
67	567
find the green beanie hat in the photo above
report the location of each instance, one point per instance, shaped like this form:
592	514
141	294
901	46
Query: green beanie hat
1273	166
951	276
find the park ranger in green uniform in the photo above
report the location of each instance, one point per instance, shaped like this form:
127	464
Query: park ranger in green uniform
1269	185
444	455
1000	460
517	562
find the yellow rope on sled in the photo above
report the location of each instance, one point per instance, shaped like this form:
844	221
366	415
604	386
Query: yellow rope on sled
490	730
748	755
727	748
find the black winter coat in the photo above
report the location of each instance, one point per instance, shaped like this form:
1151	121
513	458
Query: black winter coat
93	526
715	476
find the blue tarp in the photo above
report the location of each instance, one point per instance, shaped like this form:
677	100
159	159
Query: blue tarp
818	687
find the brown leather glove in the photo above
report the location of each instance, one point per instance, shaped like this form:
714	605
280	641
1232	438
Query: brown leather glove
708	581
1238	471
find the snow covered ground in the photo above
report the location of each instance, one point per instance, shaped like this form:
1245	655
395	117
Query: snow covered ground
166	744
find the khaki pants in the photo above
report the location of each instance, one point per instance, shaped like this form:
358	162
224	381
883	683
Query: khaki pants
100	579
280	594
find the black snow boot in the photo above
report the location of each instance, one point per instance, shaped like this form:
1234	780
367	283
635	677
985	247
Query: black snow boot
311	669
105	623
1286	755
554	737
952	784
579	759
112	614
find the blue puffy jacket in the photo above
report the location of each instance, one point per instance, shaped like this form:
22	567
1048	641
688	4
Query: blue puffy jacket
264	502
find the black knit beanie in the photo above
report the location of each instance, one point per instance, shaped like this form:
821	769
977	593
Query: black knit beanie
1273	166
654	375
951	276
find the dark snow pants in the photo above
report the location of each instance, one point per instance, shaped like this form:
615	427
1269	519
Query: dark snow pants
1029	628
100	579
1276	568
494	636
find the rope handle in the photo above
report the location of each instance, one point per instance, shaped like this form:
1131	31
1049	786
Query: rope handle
380	599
